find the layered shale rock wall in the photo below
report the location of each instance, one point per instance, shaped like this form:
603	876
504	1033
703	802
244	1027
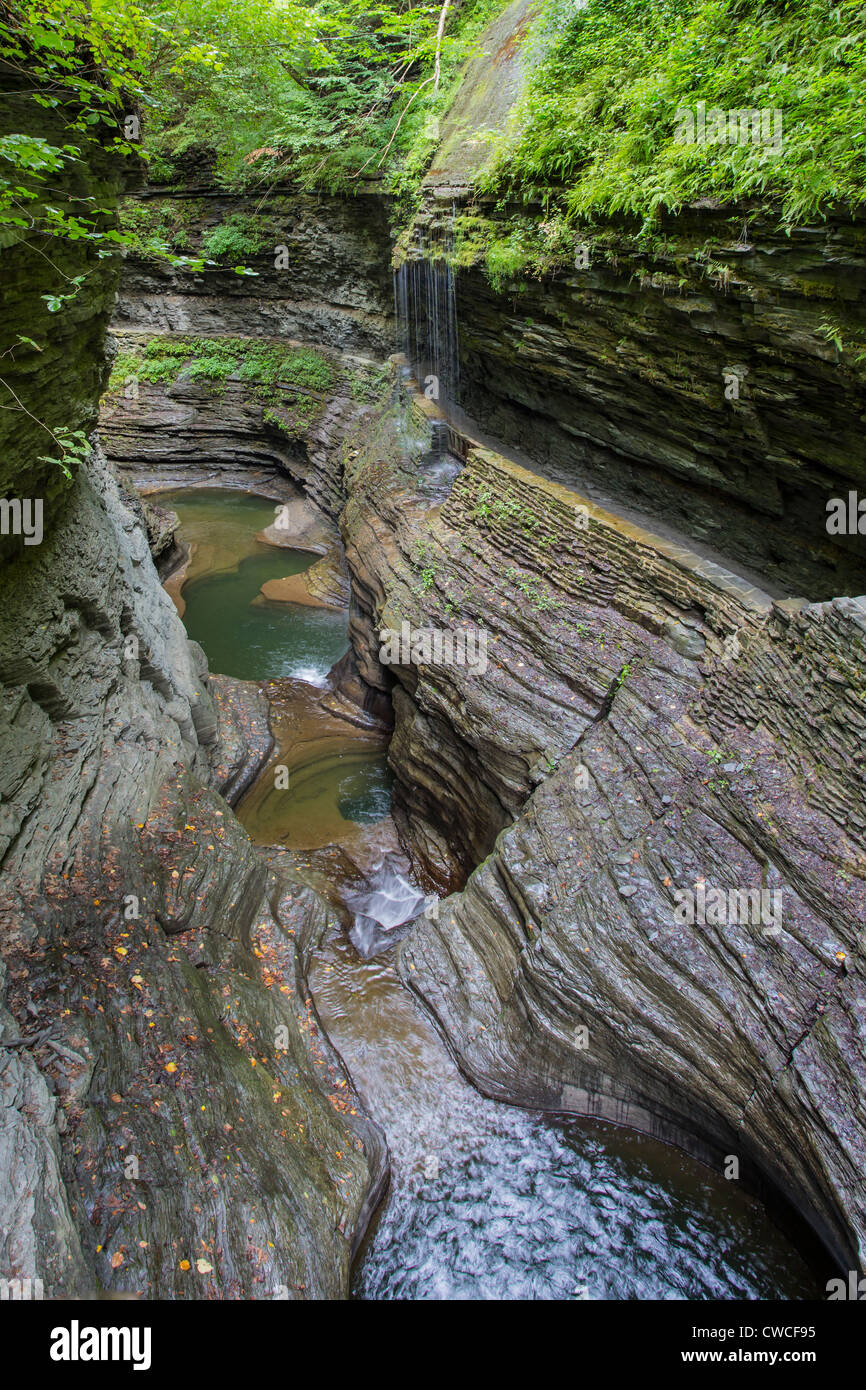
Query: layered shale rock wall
320	263
646	724
174	1123
321	278
706	369
189	431
615	379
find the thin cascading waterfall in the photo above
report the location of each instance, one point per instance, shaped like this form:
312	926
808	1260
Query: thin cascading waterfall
425	310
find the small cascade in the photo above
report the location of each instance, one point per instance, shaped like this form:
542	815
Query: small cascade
425	309
387	901
440	437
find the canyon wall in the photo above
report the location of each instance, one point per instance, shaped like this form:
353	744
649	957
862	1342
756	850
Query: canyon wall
321	270
615	379
654	717
704	368
174	1122
646	725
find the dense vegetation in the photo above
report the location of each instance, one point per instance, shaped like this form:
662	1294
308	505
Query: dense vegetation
290	383
305	92
310	92
254	360
332	92
598	124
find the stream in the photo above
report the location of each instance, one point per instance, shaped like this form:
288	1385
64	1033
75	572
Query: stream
486	1200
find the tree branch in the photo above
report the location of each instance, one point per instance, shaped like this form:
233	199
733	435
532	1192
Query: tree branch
439	35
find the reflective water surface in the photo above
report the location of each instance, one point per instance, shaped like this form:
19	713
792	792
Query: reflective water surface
486	1200
243	634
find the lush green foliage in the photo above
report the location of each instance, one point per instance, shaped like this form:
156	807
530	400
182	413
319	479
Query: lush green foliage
312	93
263	364
330	92
88	65
290	384
157	225
598	123
74	62
327	92
240	235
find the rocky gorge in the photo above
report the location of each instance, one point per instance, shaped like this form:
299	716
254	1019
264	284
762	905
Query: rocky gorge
149	956
671	703
747	772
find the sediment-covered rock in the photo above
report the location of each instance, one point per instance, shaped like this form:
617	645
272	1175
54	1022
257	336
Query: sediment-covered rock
324	585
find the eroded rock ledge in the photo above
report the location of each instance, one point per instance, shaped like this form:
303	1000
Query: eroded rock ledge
645	723
174	1123
612	378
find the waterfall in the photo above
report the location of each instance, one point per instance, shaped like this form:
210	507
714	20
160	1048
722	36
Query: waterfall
425	310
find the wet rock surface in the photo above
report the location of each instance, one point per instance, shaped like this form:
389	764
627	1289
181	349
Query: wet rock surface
324	585
644	724
612	380
199	1147
174	1123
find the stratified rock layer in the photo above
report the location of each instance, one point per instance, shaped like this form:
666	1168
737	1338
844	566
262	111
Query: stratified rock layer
646	723
691	375
142	931
173	1122
322	274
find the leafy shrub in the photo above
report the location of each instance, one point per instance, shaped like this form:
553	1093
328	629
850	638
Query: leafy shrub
597	123
504	260
239	236
216	367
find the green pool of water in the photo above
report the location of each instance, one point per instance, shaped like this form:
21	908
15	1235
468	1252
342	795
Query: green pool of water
364	794
341	787
242	634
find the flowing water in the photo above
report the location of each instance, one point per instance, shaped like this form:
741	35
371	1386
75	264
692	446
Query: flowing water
489	1201
486	1200
425	310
